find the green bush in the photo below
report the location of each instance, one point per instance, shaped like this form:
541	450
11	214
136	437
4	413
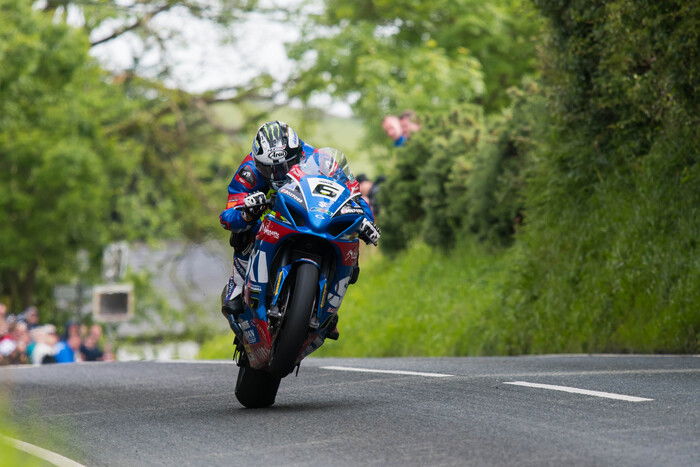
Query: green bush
415	199
608	260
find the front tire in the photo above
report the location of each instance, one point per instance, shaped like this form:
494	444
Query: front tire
295	327
255	389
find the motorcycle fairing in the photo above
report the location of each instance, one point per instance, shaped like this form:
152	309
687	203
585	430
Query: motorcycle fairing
322	199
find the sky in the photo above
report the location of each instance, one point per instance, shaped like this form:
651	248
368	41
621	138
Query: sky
202	58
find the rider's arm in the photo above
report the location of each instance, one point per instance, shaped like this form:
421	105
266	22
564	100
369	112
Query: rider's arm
246	180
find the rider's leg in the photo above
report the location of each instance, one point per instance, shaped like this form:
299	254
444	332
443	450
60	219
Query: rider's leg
232	295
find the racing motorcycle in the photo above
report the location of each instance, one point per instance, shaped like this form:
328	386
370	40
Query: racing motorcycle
304	258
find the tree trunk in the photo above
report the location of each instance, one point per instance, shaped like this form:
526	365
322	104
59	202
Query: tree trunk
27	286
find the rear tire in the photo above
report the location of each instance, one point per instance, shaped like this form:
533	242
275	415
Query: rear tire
255	388
295	327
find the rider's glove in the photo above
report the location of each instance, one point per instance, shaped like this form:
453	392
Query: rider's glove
369	232
254	205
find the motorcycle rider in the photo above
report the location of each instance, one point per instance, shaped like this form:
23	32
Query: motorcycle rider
276	148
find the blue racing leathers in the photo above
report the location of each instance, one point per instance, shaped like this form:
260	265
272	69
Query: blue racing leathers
247	180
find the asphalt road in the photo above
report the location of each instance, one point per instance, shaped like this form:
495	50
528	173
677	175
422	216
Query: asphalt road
151	413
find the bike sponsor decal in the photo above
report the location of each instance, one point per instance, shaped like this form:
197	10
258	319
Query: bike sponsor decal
350	257
250	336
336	297
258	355
350	251
296	173
354	187
271	231
349	208
258	351
292	194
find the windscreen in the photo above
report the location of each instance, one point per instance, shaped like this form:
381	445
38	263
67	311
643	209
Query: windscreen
329	162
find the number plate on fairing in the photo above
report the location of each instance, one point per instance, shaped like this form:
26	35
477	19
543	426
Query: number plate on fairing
325	187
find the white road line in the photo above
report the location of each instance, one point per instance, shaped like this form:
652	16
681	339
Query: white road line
41	453
390	372
608	395
537	374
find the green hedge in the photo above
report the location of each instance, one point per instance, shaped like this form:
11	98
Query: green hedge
592	175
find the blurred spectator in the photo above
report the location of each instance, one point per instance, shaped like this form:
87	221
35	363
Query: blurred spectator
409	123
30	316
7	343
40	345
96	330
69	349
392	126
45	349
365	188
369	190
90	349
372	195
13	345
72	329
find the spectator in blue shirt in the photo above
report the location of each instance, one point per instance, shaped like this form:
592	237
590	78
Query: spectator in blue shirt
69	350
392	126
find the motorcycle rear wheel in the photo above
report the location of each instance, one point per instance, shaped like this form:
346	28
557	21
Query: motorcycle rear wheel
255	389
295	327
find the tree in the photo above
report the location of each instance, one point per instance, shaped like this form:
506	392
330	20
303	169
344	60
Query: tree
387	56
54	169
86	158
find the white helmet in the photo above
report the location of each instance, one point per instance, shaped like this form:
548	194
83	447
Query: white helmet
276	148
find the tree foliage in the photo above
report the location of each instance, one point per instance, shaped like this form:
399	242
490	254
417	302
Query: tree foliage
388	56
88	158
54	156
609	257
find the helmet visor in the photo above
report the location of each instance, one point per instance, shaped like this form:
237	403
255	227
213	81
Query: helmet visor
276	163
276	172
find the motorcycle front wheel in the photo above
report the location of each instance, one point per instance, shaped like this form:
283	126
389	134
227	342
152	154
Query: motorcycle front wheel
295	327
255	389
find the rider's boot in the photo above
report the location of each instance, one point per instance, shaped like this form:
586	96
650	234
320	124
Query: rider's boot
333	334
